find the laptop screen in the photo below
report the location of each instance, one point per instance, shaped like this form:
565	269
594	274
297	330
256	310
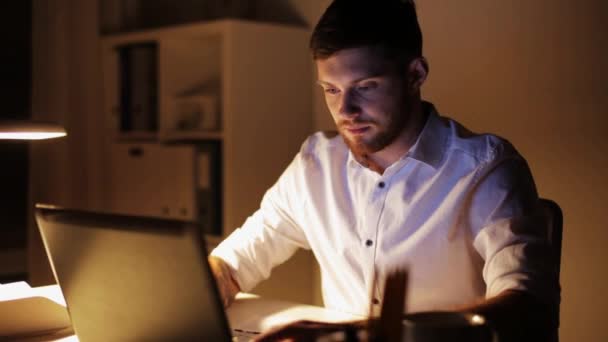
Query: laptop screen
132	278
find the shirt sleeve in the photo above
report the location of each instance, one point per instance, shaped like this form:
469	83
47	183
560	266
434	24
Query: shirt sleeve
271	235
511	234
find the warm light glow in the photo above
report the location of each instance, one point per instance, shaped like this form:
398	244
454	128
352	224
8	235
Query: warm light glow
31	135
478	320
28	130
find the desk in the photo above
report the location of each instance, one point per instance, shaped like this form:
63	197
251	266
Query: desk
248	312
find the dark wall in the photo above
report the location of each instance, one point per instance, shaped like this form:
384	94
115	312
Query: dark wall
121	16
15	87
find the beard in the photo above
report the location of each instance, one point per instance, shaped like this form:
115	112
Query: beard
385	134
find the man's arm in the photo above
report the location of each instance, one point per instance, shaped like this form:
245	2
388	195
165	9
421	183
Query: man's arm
513	241
266	239
226	284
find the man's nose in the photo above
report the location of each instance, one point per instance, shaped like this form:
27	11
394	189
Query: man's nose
348	105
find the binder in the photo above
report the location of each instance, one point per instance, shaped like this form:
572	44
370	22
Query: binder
209	187
138	78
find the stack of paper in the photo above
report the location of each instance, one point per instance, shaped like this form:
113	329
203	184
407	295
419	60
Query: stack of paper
26	311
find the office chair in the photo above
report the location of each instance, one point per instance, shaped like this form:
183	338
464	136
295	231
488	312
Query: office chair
554	218
553	214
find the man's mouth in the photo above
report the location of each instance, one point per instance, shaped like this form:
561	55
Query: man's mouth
356	130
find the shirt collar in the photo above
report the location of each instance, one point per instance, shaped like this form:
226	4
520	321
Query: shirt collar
430	145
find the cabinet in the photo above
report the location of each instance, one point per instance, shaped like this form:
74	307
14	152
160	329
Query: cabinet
231	106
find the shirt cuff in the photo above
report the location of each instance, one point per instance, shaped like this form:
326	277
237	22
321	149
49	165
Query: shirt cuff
227	252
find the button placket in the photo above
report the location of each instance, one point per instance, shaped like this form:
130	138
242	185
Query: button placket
378	198
375	188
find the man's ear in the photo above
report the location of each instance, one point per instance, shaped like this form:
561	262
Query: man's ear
417	72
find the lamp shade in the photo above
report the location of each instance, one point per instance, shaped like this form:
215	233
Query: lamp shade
30	130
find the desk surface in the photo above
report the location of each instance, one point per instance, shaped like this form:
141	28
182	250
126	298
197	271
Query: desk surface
248	312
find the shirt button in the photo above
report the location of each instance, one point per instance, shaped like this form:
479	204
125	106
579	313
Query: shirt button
375	301
381	185
368	243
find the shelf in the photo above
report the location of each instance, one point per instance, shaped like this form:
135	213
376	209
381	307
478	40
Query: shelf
191	136
196	29
234	103
134	136
242	87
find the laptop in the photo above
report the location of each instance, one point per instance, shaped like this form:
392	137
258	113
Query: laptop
127	278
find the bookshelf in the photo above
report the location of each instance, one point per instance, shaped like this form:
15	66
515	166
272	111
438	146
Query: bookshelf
250	86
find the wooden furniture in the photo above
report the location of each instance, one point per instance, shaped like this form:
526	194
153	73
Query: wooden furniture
259	75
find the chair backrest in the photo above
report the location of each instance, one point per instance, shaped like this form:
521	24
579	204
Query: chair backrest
554	218
553	215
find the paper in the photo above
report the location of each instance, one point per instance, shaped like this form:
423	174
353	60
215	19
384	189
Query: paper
16	290
26	311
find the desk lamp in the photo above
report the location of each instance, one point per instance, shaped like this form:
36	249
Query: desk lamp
30	130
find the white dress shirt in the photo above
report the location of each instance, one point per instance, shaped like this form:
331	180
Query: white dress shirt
458	210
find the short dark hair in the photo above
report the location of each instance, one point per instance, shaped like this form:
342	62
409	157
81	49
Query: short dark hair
391	25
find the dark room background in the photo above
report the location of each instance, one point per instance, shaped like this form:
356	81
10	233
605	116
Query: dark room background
15	80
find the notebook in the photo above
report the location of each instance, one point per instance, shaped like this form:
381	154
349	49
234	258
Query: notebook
127	278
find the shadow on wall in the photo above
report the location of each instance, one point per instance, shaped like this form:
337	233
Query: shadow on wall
127	15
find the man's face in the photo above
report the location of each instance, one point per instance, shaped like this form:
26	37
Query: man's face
367	98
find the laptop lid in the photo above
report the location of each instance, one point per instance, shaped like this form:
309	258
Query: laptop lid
129	278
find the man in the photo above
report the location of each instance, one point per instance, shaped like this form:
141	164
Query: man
400	186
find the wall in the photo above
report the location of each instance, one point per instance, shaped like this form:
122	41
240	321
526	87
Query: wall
66	87
535	72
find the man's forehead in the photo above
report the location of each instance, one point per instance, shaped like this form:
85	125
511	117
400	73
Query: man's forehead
358	62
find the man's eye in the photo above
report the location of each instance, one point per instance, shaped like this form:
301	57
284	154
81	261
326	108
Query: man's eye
366	87
331	90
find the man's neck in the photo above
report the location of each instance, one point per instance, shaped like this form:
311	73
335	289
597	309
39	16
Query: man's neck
379	161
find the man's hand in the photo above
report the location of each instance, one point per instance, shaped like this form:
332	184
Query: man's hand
225	283
302	331
518	316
